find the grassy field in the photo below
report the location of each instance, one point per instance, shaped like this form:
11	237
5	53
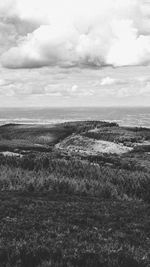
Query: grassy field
60	230
62	209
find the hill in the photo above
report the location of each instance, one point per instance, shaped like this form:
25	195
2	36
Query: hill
74	195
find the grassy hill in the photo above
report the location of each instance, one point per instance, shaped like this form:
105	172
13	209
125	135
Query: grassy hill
74	195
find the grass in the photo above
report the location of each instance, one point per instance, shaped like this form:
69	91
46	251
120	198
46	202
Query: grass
73	176
58	230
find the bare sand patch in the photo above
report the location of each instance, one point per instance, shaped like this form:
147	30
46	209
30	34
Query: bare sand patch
10	154
89	146
110	147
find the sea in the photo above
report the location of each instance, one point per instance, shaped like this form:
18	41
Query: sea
124	116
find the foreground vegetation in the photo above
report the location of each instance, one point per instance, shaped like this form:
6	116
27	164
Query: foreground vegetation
58	230
73	176
59	209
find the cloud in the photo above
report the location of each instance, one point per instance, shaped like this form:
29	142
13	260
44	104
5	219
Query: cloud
74	88
133	92
75	33
46	46
108	81
13	26
2	82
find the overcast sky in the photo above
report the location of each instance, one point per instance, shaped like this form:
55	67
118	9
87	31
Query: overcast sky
74	52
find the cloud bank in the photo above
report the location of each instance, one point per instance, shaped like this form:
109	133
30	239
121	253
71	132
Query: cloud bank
70	33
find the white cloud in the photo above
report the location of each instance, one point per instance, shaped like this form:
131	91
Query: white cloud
2	82
74	88
75	32
108	81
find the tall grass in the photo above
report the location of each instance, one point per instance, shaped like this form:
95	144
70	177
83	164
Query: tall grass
73	177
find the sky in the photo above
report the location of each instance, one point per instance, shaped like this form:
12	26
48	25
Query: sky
74	53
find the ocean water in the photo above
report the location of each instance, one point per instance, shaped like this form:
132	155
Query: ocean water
123	116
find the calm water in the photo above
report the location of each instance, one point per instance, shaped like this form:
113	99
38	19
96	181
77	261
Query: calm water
124	116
